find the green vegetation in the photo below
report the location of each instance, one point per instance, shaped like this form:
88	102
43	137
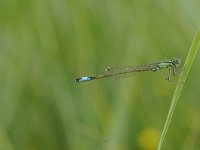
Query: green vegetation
179	87
46	45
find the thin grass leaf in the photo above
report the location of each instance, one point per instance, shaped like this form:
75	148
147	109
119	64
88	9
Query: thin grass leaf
183	76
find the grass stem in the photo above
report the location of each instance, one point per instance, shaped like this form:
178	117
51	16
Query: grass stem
183	76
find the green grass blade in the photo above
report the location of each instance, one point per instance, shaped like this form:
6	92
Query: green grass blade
179	87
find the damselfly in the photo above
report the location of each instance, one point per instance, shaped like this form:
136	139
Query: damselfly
117	72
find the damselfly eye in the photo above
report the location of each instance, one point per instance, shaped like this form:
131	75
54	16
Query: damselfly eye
177	61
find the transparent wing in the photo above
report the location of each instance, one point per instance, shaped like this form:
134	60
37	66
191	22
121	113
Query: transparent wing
120	72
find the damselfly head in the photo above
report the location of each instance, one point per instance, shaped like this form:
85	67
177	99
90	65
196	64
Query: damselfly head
176	61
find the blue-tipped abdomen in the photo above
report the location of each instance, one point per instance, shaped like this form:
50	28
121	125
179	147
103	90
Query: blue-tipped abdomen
84	79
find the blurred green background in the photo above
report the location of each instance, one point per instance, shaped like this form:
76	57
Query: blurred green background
46	44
